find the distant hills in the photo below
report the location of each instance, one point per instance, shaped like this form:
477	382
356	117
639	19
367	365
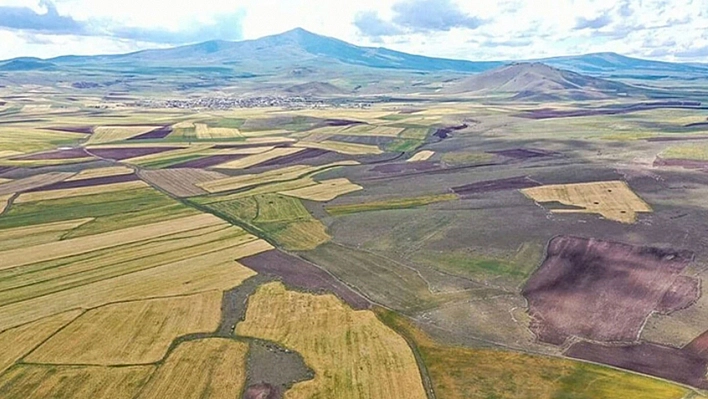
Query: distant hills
299	49
538	82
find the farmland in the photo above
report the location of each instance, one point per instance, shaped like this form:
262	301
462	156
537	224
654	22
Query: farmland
180	238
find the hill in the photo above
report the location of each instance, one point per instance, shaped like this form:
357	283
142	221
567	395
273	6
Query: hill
314	89
613	64
26	64
538	82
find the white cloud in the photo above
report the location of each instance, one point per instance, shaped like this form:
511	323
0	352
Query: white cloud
510	29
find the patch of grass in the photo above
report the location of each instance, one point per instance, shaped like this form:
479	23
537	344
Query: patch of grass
231	123
458	373
402	203
696	152
166	163
416	133
466	158
111	211
403	145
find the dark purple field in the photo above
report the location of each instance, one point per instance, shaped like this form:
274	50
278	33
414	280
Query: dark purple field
207	162
523	153
341	122
120	154
680	365
72	129
98	181
298	157
548	113
683	293
155	134
406	167
614	286
300	274
512	183
59	154
228	146
444	132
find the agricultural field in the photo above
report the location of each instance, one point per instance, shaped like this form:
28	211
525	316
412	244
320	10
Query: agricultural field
322	239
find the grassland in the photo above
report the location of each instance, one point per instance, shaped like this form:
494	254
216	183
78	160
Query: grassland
33	140
204	131
221	366
363	357
130	333
325	190
401	203
281	218
458	372
614	200
695	152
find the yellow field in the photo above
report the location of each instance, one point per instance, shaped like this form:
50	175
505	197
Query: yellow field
352	353
101	172
259	158
130	333
106	134
302	236
80	191
5	201
3	180
326	190
614	200
37	234
68	382
206	132
266	189
341	147
277	175
19	341
27	255
213	368
28	183
373	130
421	156
9	153
183	274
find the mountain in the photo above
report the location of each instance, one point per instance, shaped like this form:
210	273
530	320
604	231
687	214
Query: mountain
26	64
315	89
538	82
613	64
297	47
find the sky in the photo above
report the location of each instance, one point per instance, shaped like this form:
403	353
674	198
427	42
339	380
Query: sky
671	30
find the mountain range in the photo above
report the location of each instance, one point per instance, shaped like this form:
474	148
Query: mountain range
303	50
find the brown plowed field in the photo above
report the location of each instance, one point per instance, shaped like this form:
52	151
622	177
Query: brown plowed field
600	290
682	294
300	274
181	182
513	183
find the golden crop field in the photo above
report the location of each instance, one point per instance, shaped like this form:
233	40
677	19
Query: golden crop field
341	147
169	262
27	255
373	130
130	333
353	354
29	183
325	190
421	156
3	180
107	134
80	191
272	176
206	132
194	149
256	159
265	189
181	182
101	172
19	341
73	382
213	368
614	200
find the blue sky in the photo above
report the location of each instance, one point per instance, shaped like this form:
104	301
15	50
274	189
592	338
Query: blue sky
674	30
